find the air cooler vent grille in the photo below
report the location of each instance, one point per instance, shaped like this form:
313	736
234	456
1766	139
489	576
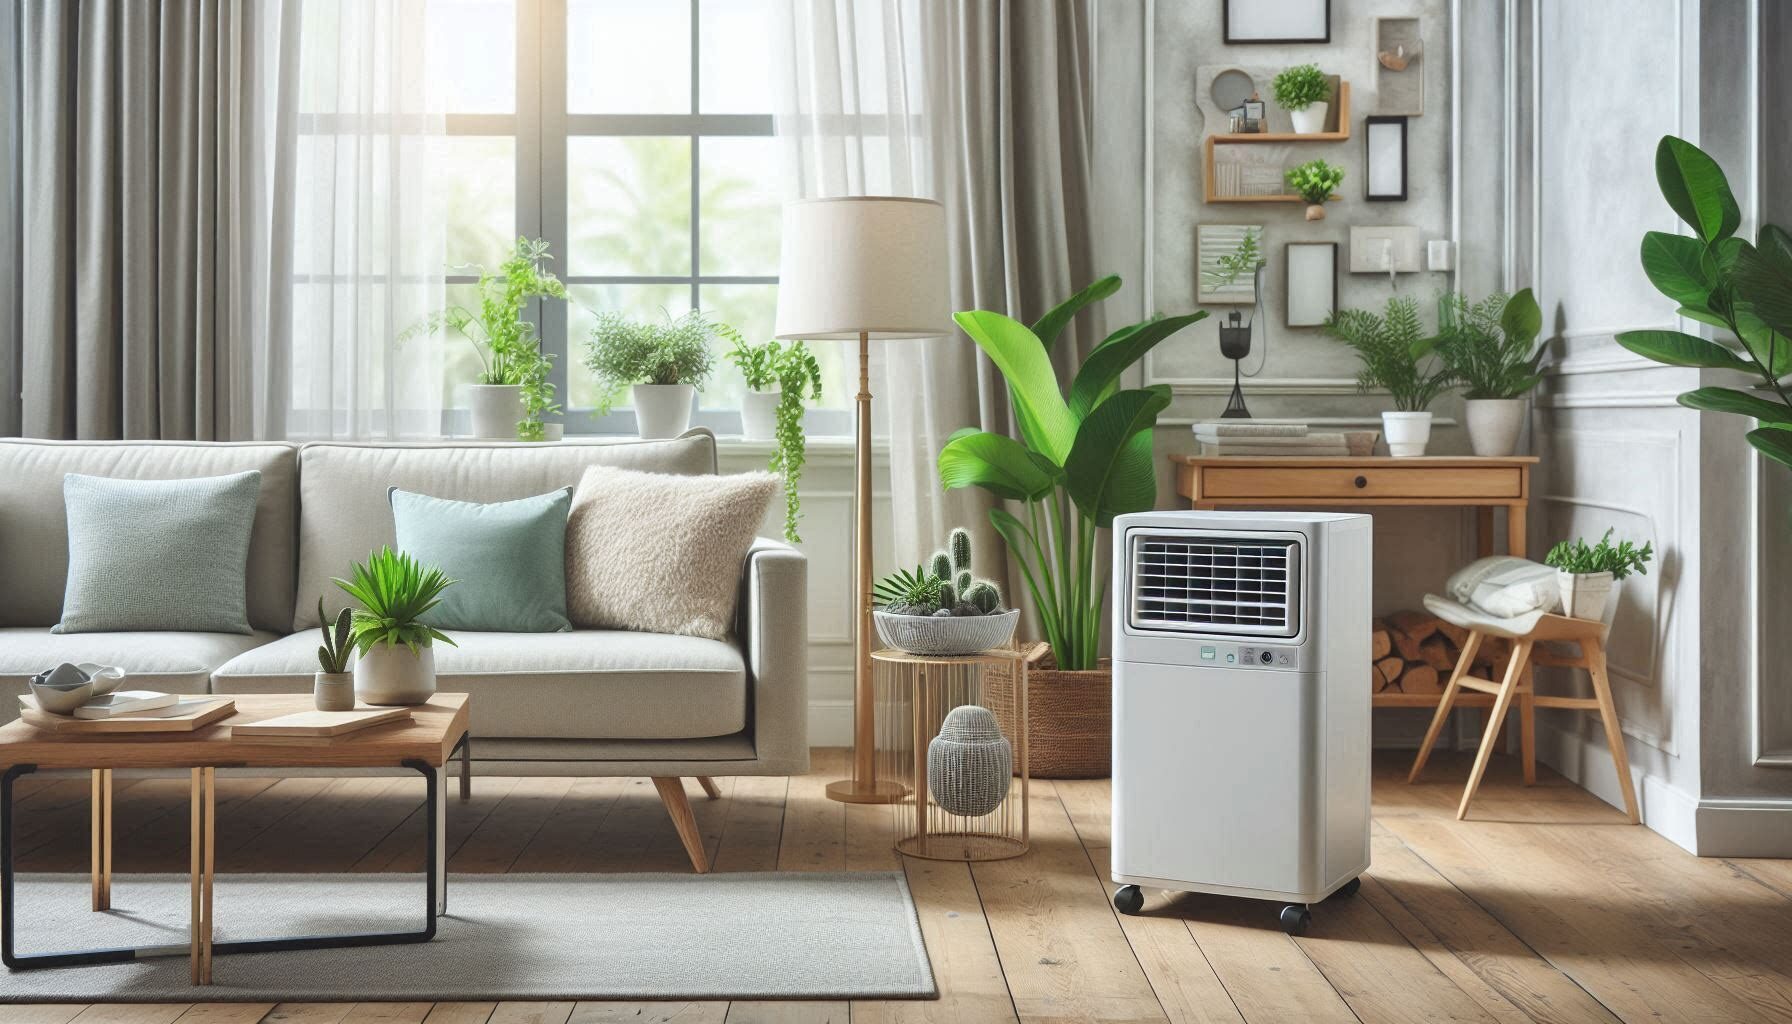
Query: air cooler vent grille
1219	585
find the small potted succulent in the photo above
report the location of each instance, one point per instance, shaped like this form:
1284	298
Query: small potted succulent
1302	90
1589	575
664	363
334	687
1314	182
780	378
1488	346
1396	358
941	609
398	662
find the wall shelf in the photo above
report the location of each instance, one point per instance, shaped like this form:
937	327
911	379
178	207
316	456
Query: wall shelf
1338	116
1207	180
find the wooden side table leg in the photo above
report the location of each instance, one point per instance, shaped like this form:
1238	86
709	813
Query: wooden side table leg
1464	662
1483	531
1527	726
1515	530
102	838
202	848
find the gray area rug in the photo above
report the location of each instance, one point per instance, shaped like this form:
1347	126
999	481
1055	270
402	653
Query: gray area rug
644	936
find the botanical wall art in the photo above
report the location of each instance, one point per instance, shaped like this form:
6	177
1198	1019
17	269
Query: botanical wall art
1227	256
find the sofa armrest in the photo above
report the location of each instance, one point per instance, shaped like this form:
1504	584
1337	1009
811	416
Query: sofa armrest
774	636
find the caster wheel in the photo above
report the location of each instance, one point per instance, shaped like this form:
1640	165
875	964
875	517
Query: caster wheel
1347	890
1295	919
1129	900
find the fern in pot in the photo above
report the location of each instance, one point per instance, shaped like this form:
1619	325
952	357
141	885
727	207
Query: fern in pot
1491	348
1396	357
940	608
780	378
1589	574
397	663
664	363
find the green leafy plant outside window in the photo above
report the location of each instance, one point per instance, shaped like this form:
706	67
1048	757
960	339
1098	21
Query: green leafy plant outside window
1300	86
793	372
395	592
1314	181
1621	559
1490	346
622	352
509	351
1394	351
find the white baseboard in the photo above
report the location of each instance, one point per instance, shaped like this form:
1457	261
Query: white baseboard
1744	828
830	723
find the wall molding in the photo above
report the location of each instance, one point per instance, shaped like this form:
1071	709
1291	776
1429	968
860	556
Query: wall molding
1610	400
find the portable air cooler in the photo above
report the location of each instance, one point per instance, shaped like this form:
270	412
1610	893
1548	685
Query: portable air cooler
1241	706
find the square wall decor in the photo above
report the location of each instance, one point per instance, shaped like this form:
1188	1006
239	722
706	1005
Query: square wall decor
1277	21
1223	257
1312	282
1384	158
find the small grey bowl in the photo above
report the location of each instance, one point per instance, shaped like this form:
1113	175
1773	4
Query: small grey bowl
62	689
946	637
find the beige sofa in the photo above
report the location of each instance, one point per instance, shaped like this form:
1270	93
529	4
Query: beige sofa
588	702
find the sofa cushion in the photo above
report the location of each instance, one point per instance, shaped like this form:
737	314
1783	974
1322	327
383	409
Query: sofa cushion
344	511
507	559
34	522
167	661
587	684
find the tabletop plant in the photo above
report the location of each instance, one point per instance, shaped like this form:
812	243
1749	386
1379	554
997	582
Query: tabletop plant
1300	86
333	653
1579	558
509	350
395	592
943	587
793	373
1314	181
1083	457
1490	347
622	352
1396	353
1722	280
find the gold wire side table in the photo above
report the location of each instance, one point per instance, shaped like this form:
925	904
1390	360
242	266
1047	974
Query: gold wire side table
913	693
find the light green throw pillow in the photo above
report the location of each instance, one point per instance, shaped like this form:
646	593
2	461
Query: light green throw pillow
158	554
508	558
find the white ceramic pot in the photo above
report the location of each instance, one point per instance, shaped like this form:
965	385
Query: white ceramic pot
334	691
393	675
497	409
1407	432
1494	425
759	415
1310	121
553	431
1584	595
663	410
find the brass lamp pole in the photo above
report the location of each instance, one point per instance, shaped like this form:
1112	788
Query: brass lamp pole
871	268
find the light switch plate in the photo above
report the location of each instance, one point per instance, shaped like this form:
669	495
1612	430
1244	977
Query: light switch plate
1372	247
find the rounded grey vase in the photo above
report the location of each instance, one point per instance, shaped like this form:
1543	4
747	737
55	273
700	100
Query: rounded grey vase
970	763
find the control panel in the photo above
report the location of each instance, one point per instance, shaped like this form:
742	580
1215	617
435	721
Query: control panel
1228	655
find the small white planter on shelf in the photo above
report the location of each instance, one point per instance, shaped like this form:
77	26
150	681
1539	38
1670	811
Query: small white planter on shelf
759	415
334	691
1585	595
1407	432
1494	425
393	675
497	409
1310	121
663	410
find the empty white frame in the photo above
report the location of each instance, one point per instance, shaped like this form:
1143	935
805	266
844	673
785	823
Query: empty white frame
1312	282
1384	158
1214	281
1277	21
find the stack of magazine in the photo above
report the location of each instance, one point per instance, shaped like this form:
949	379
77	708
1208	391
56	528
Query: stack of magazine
1245	437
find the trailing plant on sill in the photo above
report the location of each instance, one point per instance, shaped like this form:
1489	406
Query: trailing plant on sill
395	592
1395	353
793	372
622	352
1581	559
1490	347
509	351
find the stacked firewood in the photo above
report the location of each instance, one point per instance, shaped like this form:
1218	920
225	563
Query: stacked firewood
1415	652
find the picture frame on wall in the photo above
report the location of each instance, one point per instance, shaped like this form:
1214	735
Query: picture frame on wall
1384	158
1312	282
1214	282
1276	21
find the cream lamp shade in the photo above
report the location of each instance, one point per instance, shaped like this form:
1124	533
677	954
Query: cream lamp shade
872	265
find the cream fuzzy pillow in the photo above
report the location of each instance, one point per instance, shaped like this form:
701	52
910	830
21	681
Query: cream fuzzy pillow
657	553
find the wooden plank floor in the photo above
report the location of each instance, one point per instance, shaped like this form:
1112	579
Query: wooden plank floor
1544	906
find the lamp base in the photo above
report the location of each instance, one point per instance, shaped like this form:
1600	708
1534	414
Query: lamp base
877	791
1235	409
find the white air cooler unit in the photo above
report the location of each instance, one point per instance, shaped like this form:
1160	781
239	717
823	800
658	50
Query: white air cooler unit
1241	705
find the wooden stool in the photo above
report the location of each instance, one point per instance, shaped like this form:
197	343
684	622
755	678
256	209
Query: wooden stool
1589	634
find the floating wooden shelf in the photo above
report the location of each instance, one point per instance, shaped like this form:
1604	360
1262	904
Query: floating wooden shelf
1340	134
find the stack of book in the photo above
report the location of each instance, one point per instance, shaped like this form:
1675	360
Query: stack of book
1244	437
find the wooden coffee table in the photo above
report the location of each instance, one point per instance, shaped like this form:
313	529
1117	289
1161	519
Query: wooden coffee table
425	744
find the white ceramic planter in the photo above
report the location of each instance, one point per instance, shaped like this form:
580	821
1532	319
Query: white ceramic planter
334	691
497	408
663	410
1584	595
1407	432
759	415
1310	121
393	675
1494	425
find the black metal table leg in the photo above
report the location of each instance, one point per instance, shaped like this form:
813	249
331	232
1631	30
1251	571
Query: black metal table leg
466	766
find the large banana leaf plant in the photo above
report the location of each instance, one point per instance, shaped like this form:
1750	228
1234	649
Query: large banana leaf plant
1722	280
1083	458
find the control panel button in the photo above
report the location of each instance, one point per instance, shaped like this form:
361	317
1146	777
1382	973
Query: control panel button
1208	653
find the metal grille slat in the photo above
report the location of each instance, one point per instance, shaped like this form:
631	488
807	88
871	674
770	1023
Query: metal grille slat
1221	585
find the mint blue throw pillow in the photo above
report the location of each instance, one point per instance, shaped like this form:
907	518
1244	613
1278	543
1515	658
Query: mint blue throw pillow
509	558
158	554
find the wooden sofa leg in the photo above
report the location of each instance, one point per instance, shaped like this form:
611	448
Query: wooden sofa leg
671	790
710	787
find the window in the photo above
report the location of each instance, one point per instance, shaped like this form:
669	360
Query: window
636	137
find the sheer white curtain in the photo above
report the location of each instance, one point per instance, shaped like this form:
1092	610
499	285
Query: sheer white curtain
369	226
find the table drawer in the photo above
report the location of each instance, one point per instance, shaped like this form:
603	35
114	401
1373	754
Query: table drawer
1436	483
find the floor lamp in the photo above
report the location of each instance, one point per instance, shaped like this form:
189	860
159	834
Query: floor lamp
870	268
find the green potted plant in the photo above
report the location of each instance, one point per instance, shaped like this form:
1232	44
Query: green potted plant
1588	575
1490	347
1722	280
333	689
779	379
1302	90
1083	457
397	663
1395	354
665	363
513	391
1314	182
941	608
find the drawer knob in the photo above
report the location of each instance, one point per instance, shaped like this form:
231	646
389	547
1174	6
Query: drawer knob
1361	482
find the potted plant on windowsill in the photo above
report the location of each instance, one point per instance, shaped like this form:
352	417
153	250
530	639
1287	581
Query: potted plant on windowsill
1396	357
333	689
779	379
1082	459
664	363
513	392
1487	346
1589	575
397	663
1302	90
1314	181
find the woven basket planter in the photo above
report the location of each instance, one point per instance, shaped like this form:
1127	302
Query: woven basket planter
1069	718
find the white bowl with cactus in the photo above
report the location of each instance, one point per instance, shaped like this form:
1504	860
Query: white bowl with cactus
940	609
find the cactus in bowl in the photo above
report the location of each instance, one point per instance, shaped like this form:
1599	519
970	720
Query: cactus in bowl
941	608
